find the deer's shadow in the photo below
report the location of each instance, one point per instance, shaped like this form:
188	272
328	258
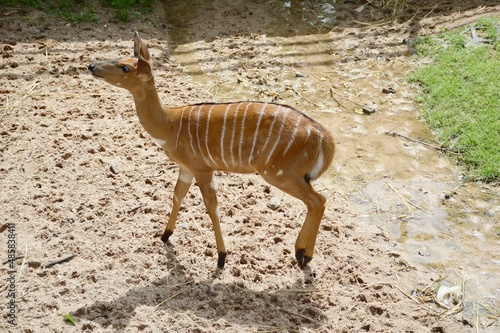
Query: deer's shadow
211	299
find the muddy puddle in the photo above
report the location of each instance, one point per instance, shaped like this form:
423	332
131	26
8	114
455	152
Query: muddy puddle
331	61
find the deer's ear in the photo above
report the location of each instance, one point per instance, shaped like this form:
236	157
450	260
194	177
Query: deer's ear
137	44
144	52
144	70
140	48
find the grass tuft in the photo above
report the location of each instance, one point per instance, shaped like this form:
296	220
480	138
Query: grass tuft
461	95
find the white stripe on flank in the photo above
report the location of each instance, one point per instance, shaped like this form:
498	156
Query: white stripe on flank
206	135
189	130
222	135
198	134
294	134
309	128
243	131
180	128
256	134
285	114
276	115
233	133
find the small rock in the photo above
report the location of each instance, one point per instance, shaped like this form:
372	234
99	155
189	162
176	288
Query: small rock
388	90
449	296
424	251
368	110
113	169
274	203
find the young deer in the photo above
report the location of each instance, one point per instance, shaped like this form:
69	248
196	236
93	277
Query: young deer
286	147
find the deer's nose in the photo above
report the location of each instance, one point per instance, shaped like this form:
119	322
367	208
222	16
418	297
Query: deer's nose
91	67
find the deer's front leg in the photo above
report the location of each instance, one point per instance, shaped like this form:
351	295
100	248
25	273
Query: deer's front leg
181	188
207	188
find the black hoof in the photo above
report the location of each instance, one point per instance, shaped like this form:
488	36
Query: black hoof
222	260
166	235
301	259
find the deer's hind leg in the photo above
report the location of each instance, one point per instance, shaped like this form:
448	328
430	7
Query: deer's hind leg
181	187
302	189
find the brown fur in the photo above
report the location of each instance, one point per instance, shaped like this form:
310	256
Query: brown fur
286	147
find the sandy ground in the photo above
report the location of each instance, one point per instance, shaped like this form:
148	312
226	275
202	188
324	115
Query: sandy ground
79	176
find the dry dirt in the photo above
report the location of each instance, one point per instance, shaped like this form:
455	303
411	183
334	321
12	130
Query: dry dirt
62	133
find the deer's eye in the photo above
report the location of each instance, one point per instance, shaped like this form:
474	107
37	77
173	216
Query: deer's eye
125	69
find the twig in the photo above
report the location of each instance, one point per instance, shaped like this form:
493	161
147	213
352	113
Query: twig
304	98
393	286
196	224
343	97
441	149
381	22
157	175
429	13
133	209
418	207
60	261
402	199
168	299
402	122
296	314
309	290
439	279
9	260
406	294
9	105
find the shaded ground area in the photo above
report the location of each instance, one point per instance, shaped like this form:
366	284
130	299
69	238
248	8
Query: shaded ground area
61	131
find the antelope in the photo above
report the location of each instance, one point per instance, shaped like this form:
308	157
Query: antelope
284	146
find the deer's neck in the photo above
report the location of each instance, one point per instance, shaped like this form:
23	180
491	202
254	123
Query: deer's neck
149	109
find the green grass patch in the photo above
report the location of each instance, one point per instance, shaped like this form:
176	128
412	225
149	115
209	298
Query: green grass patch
461	95
80	11
125	8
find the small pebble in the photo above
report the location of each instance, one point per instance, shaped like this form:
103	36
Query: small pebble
424	251
113	169
274	203
388	90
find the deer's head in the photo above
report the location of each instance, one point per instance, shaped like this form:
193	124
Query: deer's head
127	73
